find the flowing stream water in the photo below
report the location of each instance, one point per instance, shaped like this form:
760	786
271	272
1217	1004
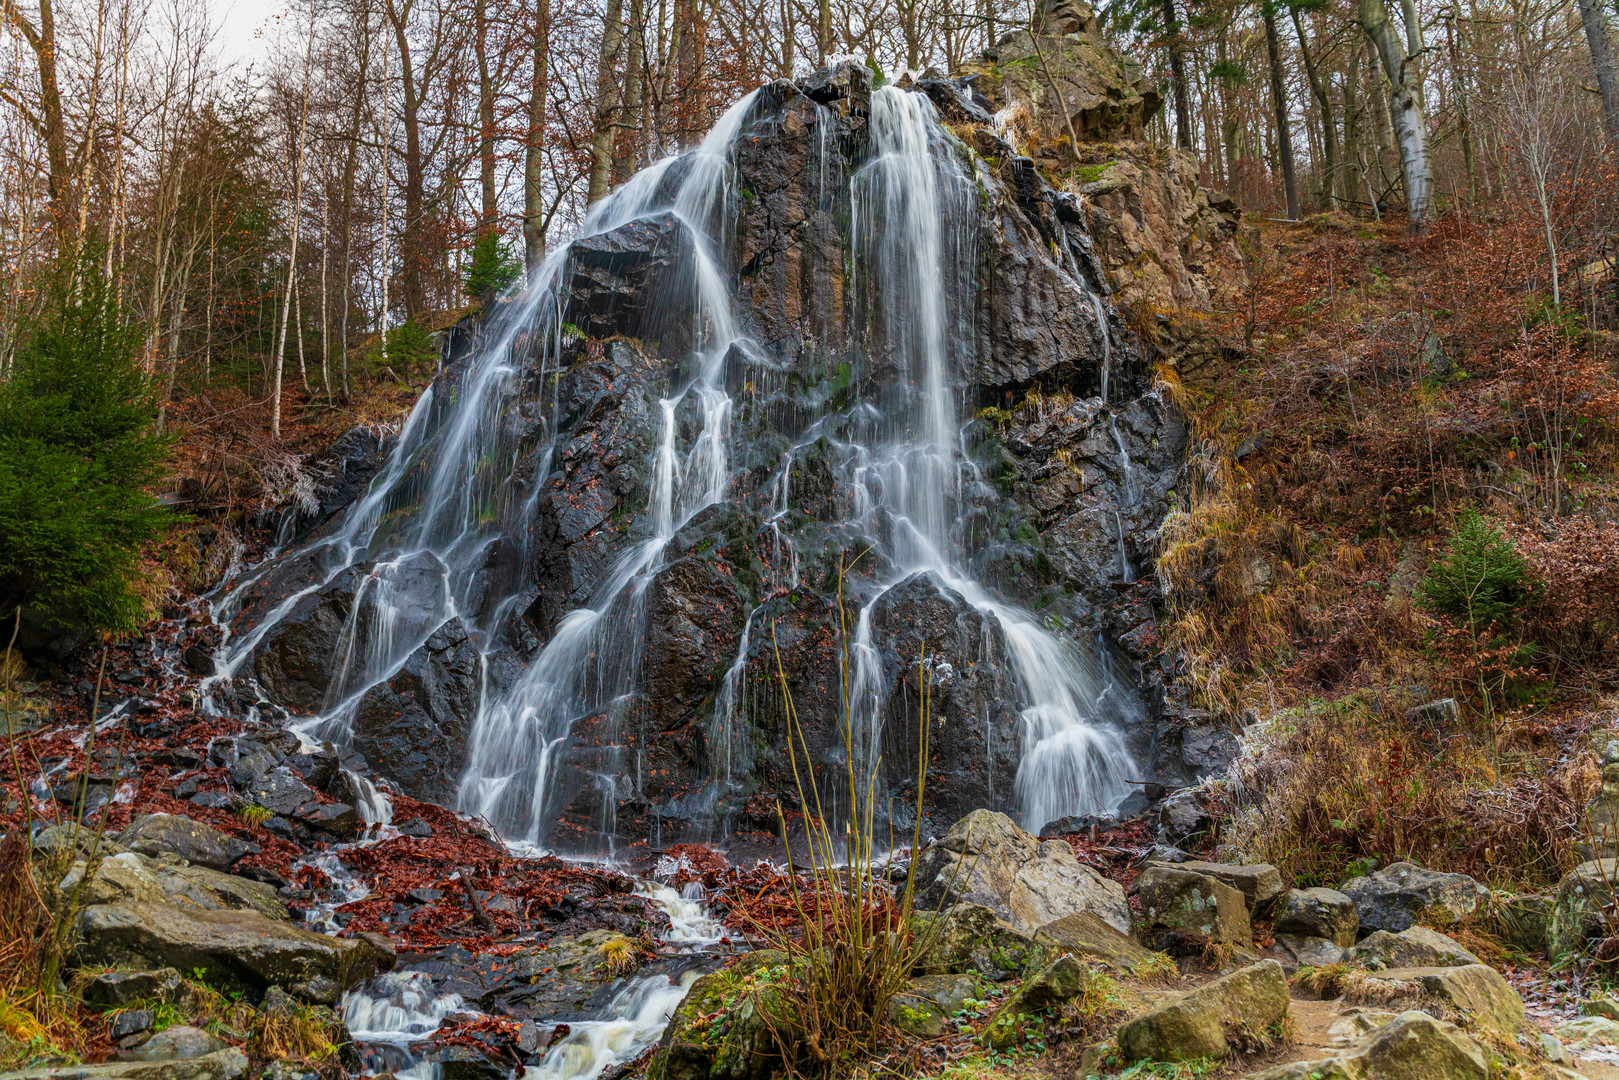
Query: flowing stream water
446	496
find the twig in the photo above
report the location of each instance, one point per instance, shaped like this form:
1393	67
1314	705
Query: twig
478	912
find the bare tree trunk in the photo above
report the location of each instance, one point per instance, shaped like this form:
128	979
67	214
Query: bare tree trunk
486	114
1278	94
1464	122
1177	76
47	121
625	164
1405	108
1353	136
1595	21
607	97
534	151
292	252
1323	99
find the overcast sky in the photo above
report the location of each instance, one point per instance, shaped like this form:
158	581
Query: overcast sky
241	25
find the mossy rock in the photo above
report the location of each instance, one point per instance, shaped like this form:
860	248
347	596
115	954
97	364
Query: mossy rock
1475	993
972	938
1412	1046
717	1031
1208	1021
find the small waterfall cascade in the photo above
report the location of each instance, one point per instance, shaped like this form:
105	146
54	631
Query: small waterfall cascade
459	488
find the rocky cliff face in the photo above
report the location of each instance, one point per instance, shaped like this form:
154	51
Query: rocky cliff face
615	530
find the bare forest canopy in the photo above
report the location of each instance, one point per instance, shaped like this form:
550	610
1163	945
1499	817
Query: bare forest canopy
380	163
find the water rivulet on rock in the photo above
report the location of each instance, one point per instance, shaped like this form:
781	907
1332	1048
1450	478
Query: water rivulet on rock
830	337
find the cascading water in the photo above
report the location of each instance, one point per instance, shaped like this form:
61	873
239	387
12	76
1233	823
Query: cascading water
463	479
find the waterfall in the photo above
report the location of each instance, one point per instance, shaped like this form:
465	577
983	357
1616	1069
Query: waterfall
449	494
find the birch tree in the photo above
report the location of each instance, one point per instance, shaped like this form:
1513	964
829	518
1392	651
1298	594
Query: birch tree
1405	108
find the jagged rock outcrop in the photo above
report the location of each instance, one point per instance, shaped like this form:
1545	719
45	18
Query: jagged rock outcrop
676	714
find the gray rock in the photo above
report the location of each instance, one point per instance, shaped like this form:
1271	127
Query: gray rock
237	949
153	834
1394	898
986	859
111	989
1183	902
1476	994
1588	1033
1181	818
1259	883
227	1064
1320	913
1416	946
1577	917
1063	979
1202	1022
1085	934
56	838
130	1022
339	819
1525	920
175	1044
970	938
279	789
1412	1046
844	86
1309	951
413	728
1437	717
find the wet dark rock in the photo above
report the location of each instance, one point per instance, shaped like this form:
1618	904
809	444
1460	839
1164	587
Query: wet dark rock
1182	819
416	828
1317	913
279	790
339	819
634	280
413	727
297	661
660	759
342	473
844	87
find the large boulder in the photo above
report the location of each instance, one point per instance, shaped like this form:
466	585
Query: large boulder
153	834
1475	992
1317	913
1398	896
986	859
1412	1046
1180	902
236	949
128	877
1235	1011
